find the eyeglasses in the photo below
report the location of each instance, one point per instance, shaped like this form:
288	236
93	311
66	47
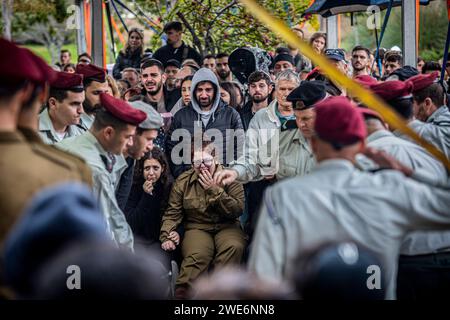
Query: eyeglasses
207	162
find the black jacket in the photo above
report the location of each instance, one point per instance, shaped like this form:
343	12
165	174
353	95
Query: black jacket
180	54
225	117
144	211
126	60
246	114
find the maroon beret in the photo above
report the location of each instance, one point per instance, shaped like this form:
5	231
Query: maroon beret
339	121
122	110
47	73
67	81
16	64
390	90
365	80
90	71
422	81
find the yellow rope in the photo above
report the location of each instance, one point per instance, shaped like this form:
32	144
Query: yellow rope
364	95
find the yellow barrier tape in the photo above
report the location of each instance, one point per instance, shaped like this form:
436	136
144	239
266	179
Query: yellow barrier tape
364	95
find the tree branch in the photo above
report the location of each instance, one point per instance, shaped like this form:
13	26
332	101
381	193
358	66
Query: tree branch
195	38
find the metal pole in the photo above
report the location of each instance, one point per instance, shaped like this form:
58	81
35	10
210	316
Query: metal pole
332	32
409	33
97	33
81	35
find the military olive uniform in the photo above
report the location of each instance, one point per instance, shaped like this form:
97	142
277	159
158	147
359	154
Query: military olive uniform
25	169
79	165
213	233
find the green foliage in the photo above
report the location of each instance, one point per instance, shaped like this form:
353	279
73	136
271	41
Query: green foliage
29	12
223	25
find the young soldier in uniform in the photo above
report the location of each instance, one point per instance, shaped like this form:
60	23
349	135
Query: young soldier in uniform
95	83
102	146
61	116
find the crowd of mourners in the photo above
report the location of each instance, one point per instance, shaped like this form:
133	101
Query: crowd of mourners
178	175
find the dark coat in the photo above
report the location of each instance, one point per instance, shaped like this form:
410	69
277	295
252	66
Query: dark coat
167	52
126	60
187	118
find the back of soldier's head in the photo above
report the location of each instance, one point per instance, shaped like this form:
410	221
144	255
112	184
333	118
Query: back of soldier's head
104	118
339	271
104	272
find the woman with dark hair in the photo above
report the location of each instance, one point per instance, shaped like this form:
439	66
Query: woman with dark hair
185	95
231	94
148	198
318	42
70	68
131	56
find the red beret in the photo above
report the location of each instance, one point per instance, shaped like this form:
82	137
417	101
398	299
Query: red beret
422	81
122	110
390	90
16	64
47	73
366	112
90	71
339	121
68	81
365	80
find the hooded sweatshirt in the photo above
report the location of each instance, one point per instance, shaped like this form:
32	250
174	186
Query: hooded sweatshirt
205	74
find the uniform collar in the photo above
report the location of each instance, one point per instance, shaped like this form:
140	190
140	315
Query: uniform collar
45	123
335	164
441	114
11	136
378	135
30	135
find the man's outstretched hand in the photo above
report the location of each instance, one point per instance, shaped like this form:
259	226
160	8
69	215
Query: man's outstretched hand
224	177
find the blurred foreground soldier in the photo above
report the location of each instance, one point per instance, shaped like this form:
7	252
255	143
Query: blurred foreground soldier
339	271
430	108
233	283
61	116
337	201
25	168
95	83
56	217
106	273
102	146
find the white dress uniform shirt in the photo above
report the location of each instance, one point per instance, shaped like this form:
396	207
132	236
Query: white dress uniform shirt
417	158
336	202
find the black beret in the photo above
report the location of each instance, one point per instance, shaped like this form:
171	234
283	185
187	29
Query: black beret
309	92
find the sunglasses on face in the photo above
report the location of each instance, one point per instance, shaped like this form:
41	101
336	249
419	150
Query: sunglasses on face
207	162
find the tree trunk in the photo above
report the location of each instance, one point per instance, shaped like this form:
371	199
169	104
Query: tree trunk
7	11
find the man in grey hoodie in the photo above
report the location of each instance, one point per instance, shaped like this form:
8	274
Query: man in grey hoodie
206	114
